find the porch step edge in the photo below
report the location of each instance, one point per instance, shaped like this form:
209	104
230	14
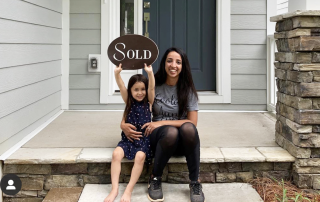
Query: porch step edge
104	155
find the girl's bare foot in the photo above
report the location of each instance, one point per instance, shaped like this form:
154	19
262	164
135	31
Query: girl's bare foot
126	197
113	194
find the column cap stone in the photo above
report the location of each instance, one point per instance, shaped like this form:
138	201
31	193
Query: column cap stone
296	13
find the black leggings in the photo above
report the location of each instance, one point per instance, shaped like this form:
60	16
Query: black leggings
167	141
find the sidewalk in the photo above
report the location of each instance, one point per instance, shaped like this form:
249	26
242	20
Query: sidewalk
227	192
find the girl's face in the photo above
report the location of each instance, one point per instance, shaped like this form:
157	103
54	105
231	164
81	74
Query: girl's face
138	91
173	64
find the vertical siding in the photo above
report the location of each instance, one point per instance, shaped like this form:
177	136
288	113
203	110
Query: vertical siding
282	6
30	66
248	54
85	39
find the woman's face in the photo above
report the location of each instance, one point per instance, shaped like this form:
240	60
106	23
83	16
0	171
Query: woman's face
173	64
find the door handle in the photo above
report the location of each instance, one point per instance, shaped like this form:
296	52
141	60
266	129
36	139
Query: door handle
146	17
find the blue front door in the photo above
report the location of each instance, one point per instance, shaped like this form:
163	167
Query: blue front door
191	26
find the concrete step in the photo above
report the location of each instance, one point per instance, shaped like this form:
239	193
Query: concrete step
226	192
63	194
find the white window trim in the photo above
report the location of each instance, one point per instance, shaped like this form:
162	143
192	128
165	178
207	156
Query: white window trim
271	49
110	29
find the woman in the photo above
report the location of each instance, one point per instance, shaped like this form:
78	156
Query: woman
173	130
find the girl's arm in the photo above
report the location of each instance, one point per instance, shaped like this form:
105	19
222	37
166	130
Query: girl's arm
122	87
151	84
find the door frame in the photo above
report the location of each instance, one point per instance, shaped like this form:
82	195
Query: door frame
110	29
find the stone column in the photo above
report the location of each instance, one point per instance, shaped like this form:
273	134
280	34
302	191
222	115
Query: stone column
298	97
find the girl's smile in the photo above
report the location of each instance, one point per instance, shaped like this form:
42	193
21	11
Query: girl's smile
138	91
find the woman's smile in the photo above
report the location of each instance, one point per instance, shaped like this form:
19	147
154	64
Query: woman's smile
173	64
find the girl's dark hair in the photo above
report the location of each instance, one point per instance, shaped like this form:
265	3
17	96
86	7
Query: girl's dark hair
185	84
134	79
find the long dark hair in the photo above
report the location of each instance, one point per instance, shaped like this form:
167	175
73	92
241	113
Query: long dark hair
134	79
185	84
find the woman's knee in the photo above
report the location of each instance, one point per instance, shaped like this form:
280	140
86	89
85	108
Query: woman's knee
140	157
170	136
118	154
188	132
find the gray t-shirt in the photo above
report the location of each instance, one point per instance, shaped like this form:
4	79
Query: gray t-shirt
165	105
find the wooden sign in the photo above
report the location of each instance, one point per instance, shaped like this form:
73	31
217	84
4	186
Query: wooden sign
132	51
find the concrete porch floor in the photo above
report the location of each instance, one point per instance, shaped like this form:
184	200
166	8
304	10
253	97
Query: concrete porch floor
101	129
91	136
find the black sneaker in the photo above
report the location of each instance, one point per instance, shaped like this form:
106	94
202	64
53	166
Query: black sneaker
196	194
155	189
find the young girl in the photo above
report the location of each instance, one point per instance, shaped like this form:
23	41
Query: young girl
138	98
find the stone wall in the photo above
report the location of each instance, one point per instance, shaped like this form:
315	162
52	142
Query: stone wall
298	97
38	179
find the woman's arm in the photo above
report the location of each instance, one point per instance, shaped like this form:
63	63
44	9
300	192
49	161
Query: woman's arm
151	84
120	83
192	117
130	131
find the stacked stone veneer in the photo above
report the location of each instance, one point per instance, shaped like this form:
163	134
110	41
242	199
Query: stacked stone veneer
298	82
38	179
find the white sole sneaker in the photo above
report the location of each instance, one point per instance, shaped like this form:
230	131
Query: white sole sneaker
162	199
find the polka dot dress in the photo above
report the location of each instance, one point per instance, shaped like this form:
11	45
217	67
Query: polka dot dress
138	116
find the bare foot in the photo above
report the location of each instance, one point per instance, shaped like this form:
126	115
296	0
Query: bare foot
126	197
110	198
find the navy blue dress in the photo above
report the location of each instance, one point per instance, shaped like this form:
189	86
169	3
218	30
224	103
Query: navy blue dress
138	116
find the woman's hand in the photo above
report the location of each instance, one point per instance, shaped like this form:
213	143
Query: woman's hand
118	69
148	69
130	131
150	127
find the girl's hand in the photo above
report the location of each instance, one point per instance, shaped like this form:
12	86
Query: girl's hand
118	69
148	69
129	131
150	127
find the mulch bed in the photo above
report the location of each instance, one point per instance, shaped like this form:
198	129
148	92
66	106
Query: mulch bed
273	191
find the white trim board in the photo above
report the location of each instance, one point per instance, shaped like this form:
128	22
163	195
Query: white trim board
1	175
14	148
65	54
110	30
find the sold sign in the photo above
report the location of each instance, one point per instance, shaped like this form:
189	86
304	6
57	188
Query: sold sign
132	51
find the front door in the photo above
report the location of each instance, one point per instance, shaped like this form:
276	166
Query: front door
191	26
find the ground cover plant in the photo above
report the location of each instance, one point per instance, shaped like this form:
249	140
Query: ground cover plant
272	190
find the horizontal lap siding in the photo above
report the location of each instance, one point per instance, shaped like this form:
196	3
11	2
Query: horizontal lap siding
30	67
282	6
85	39
248	56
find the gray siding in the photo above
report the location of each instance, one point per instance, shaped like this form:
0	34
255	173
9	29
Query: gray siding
248	56
85	39
30	67
282	6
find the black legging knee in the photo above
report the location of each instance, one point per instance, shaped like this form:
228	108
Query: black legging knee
168	140
189	137
188	134
165	141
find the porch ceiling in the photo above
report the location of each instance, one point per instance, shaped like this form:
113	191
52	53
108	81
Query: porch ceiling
94	129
